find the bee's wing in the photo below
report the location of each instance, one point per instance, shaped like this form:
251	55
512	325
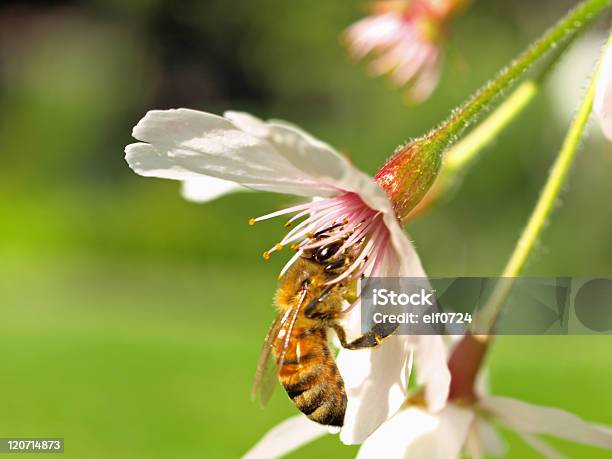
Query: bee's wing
267	368
288	326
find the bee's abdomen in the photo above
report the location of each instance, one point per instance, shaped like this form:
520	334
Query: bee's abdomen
312	380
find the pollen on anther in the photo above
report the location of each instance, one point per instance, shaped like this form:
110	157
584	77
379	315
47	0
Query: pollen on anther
266	255
295	247
251	221
309	234
278	247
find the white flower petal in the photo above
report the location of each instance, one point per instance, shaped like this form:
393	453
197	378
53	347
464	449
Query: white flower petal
185	144
318	159
373	32
274	156
426	81
490	440
375	381
602	105
206	189
472	446
394	437
409	263
482	384
286	437
248	123
414	433
403	51
430	351
315	158
432	370
532	419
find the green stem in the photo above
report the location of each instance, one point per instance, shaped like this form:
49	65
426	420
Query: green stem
575	21
459	157
465	151
543	209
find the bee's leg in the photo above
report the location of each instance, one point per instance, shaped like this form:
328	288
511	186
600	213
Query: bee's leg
369	339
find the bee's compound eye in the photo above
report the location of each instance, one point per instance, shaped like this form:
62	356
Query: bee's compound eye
335	264
327	251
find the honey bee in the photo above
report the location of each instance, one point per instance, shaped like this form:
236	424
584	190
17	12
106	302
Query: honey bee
308	307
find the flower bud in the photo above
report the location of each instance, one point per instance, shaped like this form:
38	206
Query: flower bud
409	174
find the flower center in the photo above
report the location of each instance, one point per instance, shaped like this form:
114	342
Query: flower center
344	220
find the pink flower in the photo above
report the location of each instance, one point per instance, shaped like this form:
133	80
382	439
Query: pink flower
406	37
212	155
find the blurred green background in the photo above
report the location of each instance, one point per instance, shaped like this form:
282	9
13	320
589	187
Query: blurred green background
131	321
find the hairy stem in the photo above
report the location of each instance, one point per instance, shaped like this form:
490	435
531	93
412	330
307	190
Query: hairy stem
464	153
543	209
575	21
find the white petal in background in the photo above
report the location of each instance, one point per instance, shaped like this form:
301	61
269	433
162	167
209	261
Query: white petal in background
286	437
532	419
568	81
415	433
483	440
206	189
602	105
373	32
490	440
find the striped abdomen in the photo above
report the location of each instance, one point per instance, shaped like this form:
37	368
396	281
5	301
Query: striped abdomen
311	378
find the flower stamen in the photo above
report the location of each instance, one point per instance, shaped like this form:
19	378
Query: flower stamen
346	220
